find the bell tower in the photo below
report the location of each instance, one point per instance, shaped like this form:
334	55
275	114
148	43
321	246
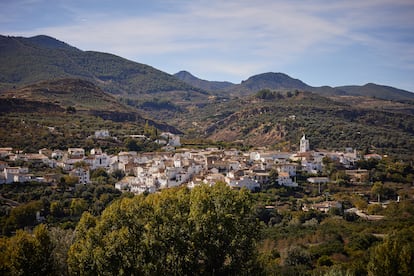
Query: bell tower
304	144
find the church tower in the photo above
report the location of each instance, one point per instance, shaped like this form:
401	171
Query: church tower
304	144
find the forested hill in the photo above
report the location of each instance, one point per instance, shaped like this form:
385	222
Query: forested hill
279	119
49	98
77	93
29	60
274	81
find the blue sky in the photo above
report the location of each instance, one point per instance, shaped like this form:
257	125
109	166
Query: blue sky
321	42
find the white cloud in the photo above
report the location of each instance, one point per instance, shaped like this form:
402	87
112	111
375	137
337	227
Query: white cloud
237	37
223	28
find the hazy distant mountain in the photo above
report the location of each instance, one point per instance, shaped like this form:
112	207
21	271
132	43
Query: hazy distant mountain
29	60
283	82
377	91
203	84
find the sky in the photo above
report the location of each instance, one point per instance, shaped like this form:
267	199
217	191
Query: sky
321	42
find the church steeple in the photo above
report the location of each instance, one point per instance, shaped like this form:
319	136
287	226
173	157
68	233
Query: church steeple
304	144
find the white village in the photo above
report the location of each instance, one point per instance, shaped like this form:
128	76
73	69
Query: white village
152	171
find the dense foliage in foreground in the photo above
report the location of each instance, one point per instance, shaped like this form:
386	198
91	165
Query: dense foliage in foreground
216	231
94	229
208	230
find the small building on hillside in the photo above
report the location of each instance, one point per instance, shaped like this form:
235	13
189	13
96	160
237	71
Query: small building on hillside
102	134
322	206
318	180
76	153
284	179
82	174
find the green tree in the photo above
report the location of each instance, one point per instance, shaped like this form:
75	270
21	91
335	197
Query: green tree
118	174
100	175
298	256
23	216
272	182
224	229
378	190
78	206
68	180
56	209
329	166
209	230
27	254
61	241
394	256
133	144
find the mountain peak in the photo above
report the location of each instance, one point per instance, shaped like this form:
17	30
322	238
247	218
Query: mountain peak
200	83
185	75
49	42
272	80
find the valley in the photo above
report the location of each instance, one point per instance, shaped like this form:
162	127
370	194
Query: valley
109	166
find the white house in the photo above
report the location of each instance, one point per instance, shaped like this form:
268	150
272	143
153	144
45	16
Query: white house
172	139
100	161
245	182
57	154
16	174
21	178
285	180
101	134
122	186
76	152
287	167
136	185
4	152
142	188
318	180
323	206
234	165
96	151
312	167
82	174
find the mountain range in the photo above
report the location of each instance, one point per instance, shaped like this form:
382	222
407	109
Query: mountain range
44	75
283	82
29	60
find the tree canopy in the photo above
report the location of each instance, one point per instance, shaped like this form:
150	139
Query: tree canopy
208	230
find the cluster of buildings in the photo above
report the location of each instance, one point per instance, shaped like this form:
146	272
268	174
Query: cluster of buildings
149	172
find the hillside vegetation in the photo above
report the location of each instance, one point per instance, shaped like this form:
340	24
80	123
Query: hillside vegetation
81	94
279	119
54	114
270	109
29	60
